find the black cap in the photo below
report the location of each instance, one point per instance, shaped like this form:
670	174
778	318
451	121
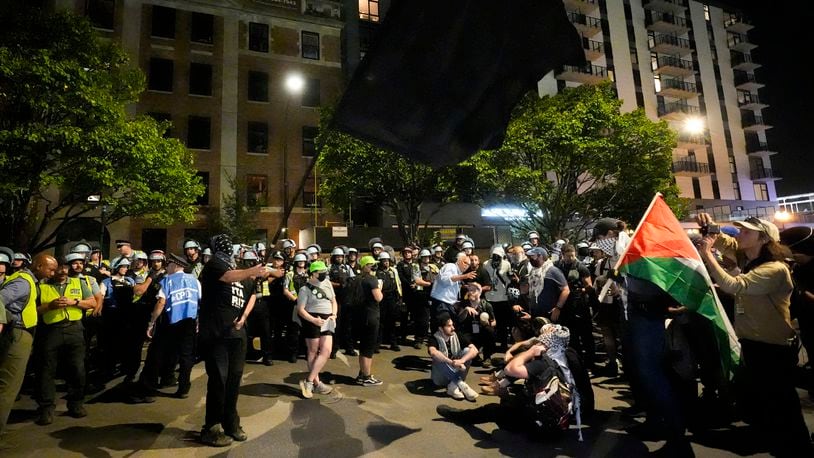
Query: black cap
604	225
121	242
173	258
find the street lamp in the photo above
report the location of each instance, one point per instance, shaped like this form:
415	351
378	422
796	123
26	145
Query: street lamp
96	199
782	216
294	84
693	125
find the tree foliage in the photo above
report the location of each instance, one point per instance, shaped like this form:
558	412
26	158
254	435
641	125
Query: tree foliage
65	133
233	218
352	169
571	158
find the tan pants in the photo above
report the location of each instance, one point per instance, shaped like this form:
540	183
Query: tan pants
12	372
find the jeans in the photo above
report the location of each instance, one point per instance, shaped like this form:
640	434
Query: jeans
224	360
442	373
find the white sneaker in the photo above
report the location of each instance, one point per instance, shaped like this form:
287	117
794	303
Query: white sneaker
454	391
307	389
322	388
467	391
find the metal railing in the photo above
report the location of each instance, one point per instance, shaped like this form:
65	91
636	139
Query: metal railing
677	107
755	120
690	166
664	39
670	61
672	83
763	173
584	19
589	69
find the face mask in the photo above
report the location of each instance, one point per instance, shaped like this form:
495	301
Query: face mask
322	276
496	258
536	262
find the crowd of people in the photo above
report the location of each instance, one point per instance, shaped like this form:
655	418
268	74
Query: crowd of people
528	313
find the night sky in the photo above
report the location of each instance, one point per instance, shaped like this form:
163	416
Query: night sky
785	51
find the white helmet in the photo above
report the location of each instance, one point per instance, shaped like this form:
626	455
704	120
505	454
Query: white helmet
142	255
424	252
259	246
312	250
192	244
338	252
300	257
467	244
207	252
384	255
123	262
288	243
71	257
249	255
377	245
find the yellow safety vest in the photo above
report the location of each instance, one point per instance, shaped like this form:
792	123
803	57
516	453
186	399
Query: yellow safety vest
73	290
29	313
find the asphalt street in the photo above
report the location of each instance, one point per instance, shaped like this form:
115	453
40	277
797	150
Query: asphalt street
396	419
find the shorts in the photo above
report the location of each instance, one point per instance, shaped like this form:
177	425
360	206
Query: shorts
369	333
311	331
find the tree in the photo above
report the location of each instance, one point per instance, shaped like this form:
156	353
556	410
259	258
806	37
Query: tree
234	218
571	158
65	133
352	169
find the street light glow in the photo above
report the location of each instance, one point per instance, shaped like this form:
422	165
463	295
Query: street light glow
294	83
782	216
694	125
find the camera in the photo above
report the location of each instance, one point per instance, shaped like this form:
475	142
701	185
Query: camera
707	229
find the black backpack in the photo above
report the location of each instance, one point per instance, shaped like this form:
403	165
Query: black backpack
354	292
550	398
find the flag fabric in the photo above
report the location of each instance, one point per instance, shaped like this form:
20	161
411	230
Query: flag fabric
440	79
661	252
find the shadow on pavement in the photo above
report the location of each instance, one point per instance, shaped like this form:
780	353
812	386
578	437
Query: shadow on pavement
425	387
268	390
412	363
92	441
740	440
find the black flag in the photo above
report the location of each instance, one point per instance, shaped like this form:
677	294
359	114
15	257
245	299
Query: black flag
440	81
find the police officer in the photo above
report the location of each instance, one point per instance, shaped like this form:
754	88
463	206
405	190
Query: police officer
391	300
260	249
192	251
6	264
452	252
259	322
277	301
20	261
63	302
92	319
352	261
534	239
206	255
125	250
289	248
405	269
340	275
295	279
424	274
118	297
438	256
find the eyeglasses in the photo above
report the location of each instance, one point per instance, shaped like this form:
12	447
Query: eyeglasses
757	222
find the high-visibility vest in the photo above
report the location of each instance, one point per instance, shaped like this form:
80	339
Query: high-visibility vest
73	290
29	314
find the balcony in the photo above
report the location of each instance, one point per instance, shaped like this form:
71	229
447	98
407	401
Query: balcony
676	88
691	142
669	44
690	168
589	74
666	23
593	49
750	101
676	111
583	6
586	25
747	81
737	24
665	6
739	42
763	174
323	8
759	149
754	123
672	66
743	62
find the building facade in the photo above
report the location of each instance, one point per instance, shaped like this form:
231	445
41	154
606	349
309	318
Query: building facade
217	69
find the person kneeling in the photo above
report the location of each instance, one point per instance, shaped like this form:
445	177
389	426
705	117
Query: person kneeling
451	357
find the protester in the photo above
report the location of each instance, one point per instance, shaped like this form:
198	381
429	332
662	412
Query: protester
447	286
451	354
317	309
369	321
476	322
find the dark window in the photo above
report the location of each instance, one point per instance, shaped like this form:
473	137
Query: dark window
309	134
163	22
153	239
202	28
256	189
310	45
310	96
309	193
101	13
257	140
696	188
161	117
258	86
204	198
258	37
199	132
161	75
200	79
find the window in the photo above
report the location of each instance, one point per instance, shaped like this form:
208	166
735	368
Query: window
258	86
761	191
203	199
309	192
202	28
153	239
369	10
101	13
163	22
706	13
161	75
310	96
256	190
199	132
736	189
200	79
258	37
309	134
310	45
257	140
161	117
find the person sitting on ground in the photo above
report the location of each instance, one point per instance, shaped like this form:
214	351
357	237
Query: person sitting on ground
543	409
476	322
451	357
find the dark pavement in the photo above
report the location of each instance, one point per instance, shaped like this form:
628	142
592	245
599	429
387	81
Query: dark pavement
395	419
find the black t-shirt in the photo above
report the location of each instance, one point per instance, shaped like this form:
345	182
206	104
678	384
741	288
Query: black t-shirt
221	303
369	283
433	342
464	324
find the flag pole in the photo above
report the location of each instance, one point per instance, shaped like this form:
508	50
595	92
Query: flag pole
608	284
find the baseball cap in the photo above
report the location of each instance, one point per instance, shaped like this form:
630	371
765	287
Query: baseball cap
317	266
760	225
603	225
537	251
366	260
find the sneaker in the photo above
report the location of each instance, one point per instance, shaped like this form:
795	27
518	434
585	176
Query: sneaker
417	345
215	437
395	347
368	380
454	391
268	362
238	434
183	391
467	391
77	411
168	382
323	388
307	389
46	416
351	352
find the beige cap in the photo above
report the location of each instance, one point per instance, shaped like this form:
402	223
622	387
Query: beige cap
760	225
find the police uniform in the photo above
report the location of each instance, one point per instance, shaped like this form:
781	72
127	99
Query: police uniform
389	306
293	282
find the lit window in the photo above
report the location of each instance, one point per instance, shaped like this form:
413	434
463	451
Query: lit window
761	191
706	13
310	45
369	10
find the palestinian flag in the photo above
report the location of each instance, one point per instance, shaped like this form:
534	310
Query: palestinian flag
661	252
